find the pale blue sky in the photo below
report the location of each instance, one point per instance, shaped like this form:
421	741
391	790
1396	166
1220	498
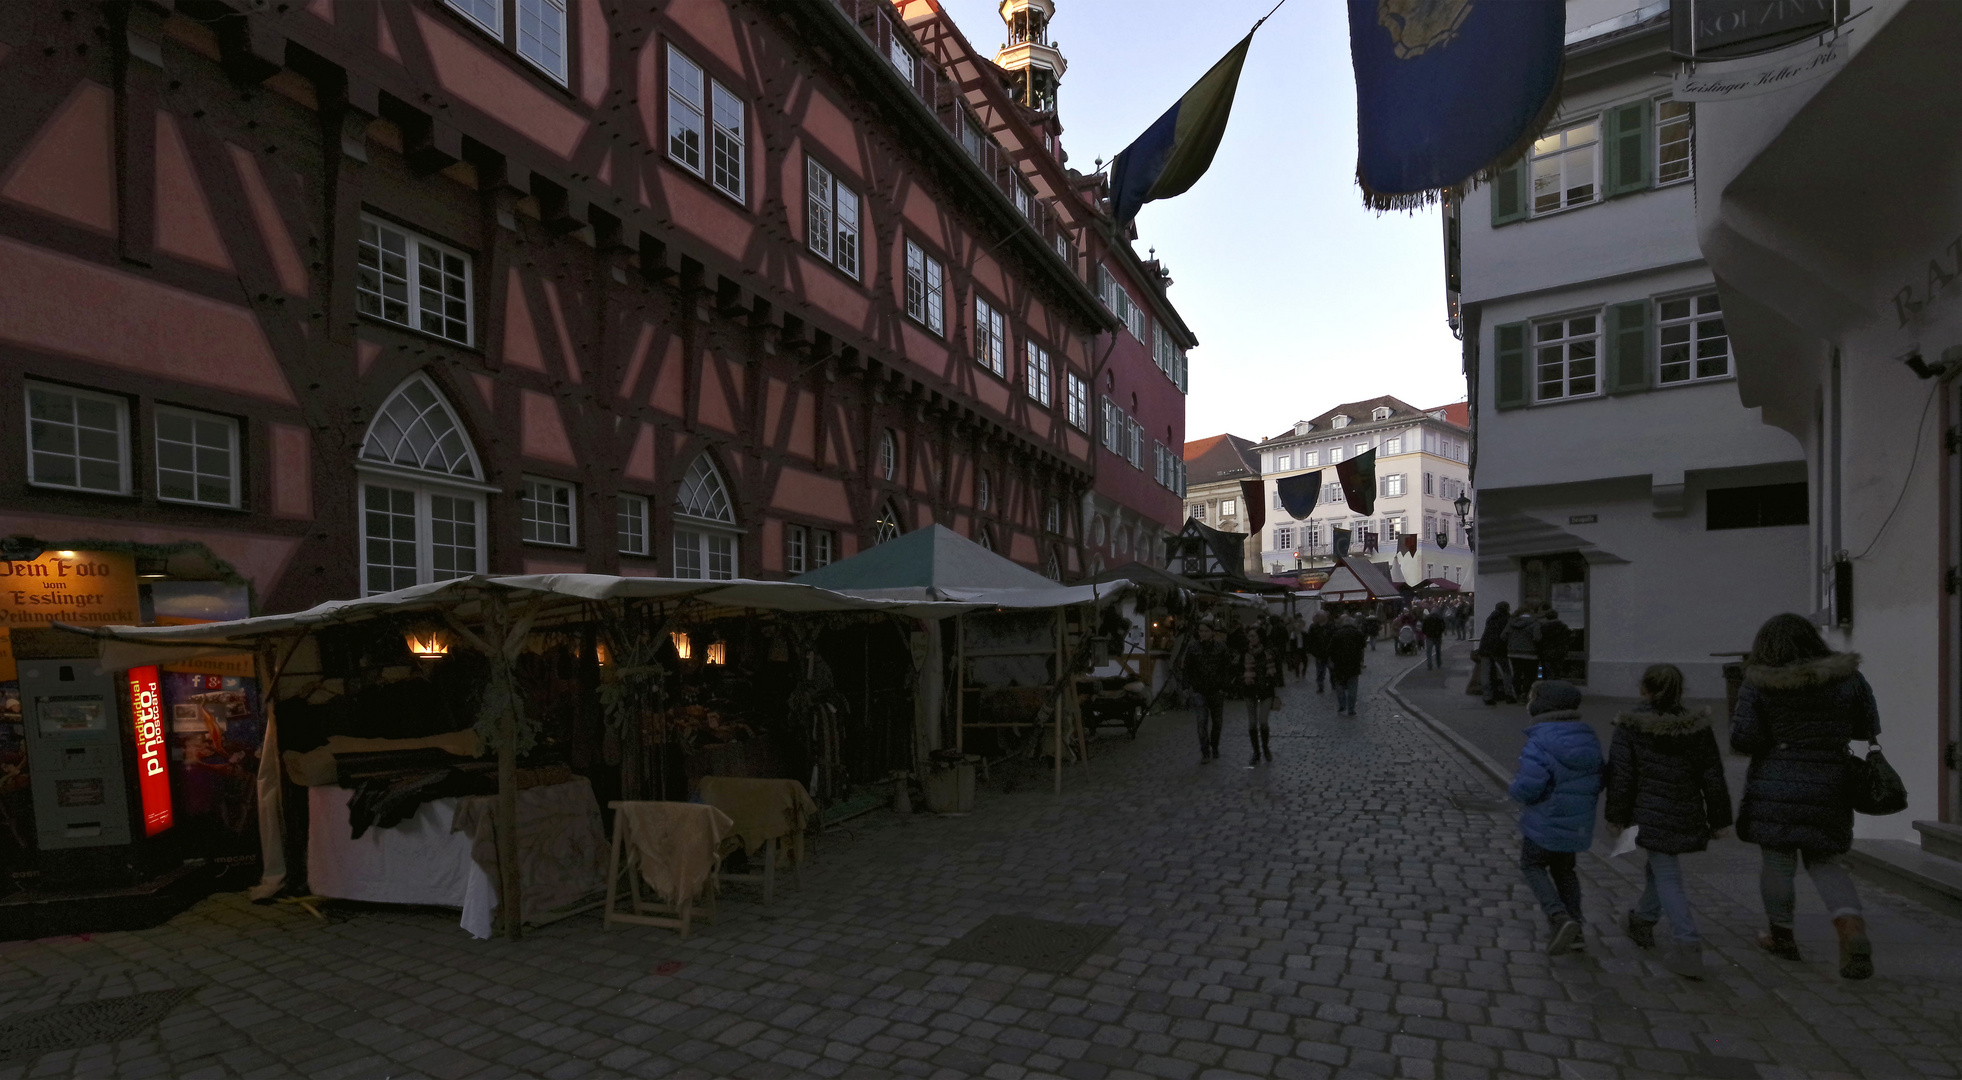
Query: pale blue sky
1302	299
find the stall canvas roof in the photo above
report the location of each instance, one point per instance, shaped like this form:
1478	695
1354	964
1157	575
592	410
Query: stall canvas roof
937	563
1357	578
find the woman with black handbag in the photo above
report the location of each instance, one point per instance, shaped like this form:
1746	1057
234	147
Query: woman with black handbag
1801	703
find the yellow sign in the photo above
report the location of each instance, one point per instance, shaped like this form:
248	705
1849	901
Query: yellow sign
84	588
8	671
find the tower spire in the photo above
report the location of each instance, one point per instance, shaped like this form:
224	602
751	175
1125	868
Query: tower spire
1029	56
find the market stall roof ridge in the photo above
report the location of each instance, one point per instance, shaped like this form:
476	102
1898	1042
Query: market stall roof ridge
935	563
1356	578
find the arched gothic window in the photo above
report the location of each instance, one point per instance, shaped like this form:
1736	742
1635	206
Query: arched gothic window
985	539
707	540
422	493
888	454
984	492
1053	569
888	526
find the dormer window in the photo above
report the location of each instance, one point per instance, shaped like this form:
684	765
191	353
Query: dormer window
1339	421
1381	413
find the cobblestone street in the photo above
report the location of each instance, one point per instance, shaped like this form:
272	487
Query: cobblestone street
1351	909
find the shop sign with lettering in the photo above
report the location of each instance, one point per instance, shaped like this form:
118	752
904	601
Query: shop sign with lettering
152	772
1746	79
86	588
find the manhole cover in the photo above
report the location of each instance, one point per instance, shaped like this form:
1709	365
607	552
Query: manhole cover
70	1027
1473	802
1037	944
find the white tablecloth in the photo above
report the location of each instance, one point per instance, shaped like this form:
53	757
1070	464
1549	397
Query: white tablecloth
419	861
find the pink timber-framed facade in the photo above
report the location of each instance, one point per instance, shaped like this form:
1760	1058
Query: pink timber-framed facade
188	191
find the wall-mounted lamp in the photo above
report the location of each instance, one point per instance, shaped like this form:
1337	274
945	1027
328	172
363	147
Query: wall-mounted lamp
683	648
718	653
428	642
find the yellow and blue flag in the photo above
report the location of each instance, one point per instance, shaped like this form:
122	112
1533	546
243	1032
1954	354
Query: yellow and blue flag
1175	151
1447	90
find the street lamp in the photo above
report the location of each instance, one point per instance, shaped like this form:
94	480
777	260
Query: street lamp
1464	504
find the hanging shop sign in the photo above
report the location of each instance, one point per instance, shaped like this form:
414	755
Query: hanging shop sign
1750	78
152	772
86	588
1727	29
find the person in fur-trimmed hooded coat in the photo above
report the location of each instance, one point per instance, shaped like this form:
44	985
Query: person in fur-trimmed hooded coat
1800	704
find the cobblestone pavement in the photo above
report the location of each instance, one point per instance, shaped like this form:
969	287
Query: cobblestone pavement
1350	909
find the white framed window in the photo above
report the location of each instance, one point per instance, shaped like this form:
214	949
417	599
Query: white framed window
540	29
796	548
728	147
1052	516
1311	535
824	547
197	457
990	337
1134	452
706	539
687	116
422	495
1332	493
1077	400
972	140
1361	449
830	218
926	288
984	537
1283	538
630	515
1037	373
1024	201
1691	340
1393	486
1283	462
1675	128
1311	459
1430	483
547	512
888	455
902	59
1566	358
1393	446
888	525
1566	167
1197	511
1380	413
1277	499
1335	455
1227	507
413	281
1338	421
77	440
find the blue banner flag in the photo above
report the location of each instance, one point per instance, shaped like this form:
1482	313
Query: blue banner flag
1299	493
1340	539
1449	90
1176	150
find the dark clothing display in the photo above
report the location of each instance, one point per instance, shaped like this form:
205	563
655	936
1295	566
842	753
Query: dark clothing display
1795	722
387	800
1666	775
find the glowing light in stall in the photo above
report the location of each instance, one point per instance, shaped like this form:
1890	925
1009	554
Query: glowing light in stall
683	648
718	653
428	643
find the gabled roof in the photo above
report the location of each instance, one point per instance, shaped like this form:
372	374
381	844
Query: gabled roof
1457	414
1220	457
1357	578
930	560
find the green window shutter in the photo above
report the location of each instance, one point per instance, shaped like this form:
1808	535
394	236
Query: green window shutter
1625	142
1510	365
1628	347
1509	196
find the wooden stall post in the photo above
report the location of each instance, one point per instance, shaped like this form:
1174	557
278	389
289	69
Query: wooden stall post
960	683
1057	717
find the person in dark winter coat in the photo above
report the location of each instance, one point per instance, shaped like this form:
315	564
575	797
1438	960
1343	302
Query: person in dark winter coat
1559	782
1523	651
1666	777
1492	649
1433	639
1800	704
1259	678
1316	641
1208	672
1553	641
1345	662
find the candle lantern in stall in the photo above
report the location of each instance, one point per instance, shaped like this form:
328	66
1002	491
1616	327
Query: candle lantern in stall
427	642
718	653
684	649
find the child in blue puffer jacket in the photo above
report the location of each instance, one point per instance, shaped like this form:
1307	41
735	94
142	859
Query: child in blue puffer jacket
1559	781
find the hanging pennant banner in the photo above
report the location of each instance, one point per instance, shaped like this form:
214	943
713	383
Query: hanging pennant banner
1299	493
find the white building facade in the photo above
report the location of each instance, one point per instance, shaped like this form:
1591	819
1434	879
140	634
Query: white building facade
1619	477
1845	302
1423	464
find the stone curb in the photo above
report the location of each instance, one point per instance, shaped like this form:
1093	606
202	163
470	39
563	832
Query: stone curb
1499	773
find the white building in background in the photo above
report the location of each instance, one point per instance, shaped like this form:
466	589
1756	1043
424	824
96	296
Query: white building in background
1619	475
1843	291
1423	464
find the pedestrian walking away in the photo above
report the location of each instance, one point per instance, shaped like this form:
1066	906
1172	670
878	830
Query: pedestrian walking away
1345	663
1665	778
1316	642
1372	628
1433	626
1558	782
1208	674
1800	704
1523	650
1492	650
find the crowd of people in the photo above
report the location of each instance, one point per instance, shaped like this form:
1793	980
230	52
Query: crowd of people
1800	705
